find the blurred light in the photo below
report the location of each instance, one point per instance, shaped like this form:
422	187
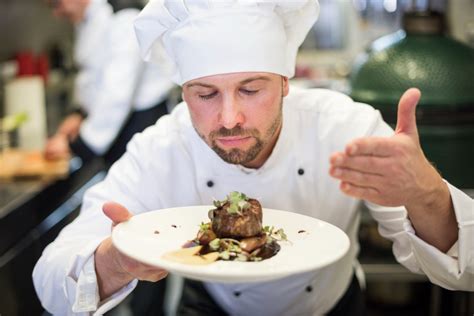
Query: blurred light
390	5
360	5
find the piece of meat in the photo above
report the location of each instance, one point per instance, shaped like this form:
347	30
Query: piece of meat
234	225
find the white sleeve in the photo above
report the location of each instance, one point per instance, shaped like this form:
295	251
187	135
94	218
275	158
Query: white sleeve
90	35
118	75
64	277
452	270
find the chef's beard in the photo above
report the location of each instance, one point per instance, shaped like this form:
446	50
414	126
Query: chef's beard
235	155
242	157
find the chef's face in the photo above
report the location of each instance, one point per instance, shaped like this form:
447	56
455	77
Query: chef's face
239	115
73	10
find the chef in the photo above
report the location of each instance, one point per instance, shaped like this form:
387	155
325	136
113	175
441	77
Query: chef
242	127
117	95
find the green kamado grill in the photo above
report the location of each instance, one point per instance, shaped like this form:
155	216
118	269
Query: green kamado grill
421	56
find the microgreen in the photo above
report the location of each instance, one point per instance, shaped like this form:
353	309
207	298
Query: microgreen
237	202
204	226
224	255
280	234
214	244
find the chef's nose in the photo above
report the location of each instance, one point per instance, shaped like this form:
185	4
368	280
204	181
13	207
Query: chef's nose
231	112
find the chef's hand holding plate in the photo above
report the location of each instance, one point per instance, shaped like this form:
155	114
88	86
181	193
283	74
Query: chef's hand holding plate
393	171
114	269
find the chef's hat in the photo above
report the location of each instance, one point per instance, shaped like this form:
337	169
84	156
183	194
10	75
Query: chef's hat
209	37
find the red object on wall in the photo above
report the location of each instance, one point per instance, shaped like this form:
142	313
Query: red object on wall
26	64
42	66
30	65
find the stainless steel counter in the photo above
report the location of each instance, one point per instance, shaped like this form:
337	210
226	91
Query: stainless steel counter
32	212
14	193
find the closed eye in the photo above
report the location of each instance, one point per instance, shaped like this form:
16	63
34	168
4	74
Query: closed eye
248	92
208	96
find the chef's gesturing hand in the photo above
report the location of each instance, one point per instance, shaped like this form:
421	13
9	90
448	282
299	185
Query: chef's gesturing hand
114	269
389	171
393	171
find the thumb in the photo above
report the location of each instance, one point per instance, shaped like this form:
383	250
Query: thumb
406	118
116	212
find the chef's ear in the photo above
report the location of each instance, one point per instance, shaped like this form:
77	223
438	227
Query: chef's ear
285	86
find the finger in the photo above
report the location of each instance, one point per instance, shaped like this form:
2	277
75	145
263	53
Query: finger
51	153
360	192
55	153
370	146
51	144
153	276
356	177
406	117
140	270
48	155
155	270
370	164
116	212
52	156
159	276
47	150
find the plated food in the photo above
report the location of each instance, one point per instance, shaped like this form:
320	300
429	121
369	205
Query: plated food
152	236
234	233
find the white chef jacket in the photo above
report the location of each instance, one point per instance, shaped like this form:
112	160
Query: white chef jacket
111	69
168	165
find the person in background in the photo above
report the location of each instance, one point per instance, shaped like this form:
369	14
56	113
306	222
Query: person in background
117	95
242	127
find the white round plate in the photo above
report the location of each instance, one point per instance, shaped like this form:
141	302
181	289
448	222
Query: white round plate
312	244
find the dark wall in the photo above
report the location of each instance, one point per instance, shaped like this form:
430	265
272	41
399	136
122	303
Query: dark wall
29	25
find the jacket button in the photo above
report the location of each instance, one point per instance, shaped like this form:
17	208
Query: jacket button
301	171
210	183
309	288
237	293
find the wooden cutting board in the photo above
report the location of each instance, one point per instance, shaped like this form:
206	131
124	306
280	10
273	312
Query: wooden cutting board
22	163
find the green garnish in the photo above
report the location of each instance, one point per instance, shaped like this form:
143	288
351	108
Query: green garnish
214	244
234	209
237	202
225	255
218	203
204	226
243	204
241	257
235	248
235	197
256	259
280	235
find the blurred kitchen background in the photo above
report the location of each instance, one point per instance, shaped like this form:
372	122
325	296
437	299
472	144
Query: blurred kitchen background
370	49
